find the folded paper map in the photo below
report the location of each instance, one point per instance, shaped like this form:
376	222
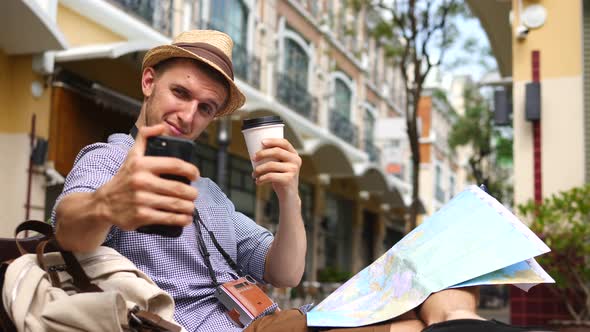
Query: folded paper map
472	240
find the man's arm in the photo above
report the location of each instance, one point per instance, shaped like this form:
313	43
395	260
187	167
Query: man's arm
134	197
80	227
285	260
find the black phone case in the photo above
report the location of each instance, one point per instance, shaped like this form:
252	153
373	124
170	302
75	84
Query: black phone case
167	146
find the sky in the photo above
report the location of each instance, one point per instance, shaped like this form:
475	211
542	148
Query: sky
468	28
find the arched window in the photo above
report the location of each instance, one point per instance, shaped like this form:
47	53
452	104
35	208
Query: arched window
231	17
296	64
369	131
342	98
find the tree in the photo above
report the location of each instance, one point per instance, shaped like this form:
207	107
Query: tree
415	35
491	151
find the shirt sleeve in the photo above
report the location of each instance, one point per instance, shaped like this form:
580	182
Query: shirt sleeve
94	166
252	240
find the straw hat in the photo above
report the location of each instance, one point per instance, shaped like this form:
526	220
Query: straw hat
213	48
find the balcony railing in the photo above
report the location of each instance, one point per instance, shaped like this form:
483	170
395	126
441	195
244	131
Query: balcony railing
373	151
295	96
246	66
343	128
157	13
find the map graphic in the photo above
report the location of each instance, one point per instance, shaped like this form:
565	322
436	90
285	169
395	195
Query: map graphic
472	240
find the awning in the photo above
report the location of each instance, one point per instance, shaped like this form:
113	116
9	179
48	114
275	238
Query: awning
27	29
370	178
493	16
102	51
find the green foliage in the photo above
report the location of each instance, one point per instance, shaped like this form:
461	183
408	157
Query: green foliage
357	5
491	153
563	222
332	274
473	128
382	29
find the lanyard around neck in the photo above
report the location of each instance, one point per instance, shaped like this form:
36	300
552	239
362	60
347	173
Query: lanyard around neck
205	252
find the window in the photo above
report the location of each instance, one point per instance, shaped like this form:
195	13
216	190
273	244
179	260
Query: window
296	64
205	158
375	66
242	189
343	98
369	125
438	192
369	128
231	17
337	226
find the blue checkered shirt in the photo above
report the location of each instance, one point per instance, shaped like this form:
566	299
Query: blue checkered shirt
175	264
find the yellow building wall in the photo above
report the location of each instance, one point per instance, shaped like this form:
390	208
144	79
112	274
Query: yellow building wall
80	31
559	42
17	103
17	106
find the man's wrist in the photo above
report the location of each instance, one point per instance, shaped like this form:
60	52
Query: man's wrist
289	198
99	207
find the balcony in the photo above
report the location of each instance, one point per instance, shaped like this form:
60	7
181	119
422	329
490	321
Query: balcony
343	128
296	97
246	66
373	151
156	13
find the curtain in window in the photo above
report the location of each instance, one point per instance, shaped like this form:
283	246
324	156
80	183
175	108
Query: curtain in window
343	97
369	126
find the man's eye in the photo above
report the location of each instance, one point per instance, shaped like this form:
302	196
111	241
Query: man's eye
206	108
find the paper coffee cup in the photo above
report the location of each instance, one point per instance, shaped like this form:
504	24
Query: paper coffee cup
257	129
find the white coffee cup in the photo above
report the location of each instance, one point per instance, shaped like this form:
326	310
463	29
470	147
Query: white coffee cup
257	129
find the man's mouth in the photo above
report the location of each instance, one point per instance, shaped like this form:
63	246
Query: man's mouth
174	130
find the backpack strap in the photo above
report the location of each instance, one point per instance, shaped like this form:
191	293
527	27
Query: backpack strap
140	319
145	321
32	225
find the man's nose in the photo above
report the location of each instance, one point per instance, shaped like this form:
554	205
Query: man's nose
188	113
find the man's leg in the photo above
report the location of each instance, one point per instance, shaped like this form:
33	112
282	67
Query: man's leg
294	321
449	304
445	305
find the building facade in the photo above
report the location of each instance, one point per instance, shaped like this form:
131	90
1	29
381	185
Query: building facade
311	62
439	170
542	46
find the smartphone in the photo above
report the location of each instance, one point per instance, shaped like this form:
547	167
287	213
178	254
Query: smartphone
167	146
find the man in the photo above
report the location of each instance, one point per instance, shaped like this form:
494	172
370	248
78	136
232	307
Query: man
113	189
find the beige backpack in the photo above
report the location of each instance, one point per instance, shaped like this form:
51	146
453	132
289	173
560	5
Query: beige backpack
98	291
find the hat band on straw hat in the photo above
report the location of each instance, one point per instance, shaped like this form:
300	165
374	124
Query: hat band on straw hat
210	53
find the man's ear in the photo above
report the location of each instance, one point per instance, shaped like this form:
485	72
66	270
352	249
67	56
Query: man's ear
148	80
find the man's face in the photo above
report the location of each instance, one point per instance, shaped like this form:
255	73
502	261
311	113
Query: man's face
183	96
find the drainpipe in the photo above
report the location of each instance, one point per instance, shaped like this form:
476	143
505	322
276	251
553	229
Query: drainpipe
30	171
538	190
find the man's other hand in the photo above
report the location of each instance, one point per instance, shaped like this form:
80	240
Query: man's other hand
283	172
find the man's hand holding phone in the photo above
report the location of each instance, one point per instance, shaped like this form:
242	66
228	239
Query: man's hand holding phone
139	196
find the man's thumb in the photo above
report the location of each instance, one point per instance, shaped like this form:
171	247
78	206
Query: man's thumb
143	134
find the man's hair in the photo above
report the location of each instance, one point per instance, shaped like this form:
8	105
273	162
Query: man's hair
162	66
